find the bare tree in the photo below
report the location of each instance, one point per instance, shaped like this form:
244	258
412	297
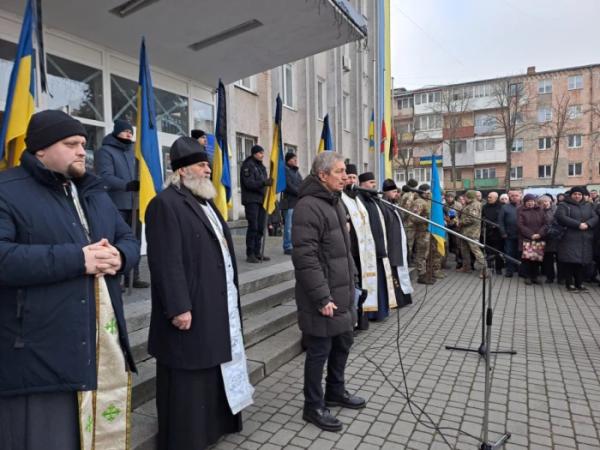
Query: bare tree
511	103
453	106
559	125
406	145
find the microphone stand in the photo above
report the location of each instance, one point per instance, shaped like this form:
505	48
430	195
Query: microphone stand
484	349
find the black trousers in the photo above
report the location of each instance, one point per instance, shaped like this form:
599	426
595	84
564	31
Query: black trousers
320	350
548	265
126	215
531	269
256	216
573	274
498	244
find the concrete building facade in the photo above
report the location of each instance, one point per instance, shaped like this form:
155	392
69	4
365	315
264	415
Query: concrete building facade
549	120
319	55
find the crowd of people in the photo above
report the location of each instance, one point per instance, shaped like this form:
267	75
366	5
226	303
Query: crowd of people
529	236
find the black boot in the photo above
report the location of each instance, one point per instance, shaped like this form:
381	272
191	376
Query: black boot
322	418
346	401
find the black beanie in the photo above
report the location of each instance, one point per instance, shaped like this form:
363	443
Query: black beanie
424	187
412	183
256	149
289	155
367	176
50	126
186	151
121	125
197	134
351	169
389	185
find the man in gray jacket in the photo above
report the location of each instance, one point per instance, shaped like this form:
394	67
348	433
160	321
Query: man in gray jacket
324	272
507	221
115	163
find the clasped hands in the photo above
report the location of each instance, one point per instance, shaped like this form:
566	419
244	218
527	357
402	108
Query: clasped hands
101	258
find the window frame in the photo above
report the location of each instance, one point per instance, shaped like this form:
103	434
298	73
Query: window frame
575	82
289	97
575	165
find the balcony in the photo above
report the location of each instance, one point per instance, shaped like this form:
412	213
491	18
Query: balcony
482	183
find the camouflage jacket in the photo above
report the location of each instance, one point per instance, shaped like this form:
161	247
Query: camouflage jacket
406	202
422	207
469	225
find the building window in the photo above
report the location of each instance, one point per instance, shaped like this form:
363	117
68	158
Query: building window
95	135
574	140
544	114
321	99
483	90
574	112
422	174
405	103
8	51
544	143
515	89
287	75
545	87
75	88
485	124
516	173
428	122
401	177
346	111
575	82
458	175
427	97
575	169
460	146
289	148
171	112
406	127
248	83
485	174
517	145
202	116
243	144
485	144
545	171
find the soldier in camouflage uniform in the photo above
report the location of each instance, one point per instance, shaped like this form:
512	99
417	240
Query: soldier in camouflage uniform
470	226
422	207
406	202
452	208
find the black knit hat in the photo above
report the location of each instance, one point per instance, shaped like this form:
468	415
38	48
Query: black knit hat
424	187
197	134
121	125
412	183
389	185
186	151
581	189
256	149
289	155
50	126
351	169
367	176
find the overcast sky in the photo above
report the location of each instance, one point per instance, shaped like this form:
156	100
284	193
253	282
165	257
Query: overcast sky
451	41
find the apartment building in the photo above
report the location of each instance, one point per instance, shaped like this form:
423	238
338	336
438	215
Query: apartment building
549	120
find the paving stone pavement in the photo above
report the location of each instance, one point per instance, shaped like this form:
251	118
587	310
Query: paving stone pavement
547	396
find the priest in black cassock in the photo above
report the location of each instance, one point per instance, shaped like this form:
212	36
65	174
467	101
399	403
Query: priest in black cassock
396	244
202	382
377	223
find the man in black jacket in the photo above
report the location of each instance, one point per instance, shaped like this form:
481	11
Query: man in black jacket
324	272
64	350
195	327
290	198
115	163
254	182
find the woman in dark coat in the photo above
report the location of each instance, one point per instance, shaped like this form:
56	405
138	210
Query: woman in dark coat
532	228
576	247
549	209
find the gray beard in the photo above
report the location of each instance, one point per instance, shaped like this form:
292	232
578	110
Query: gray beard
200	187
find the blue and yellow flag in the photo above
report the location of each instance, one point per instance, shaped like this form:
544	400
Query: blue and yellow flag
277	163
437	210
21	95
221	174
146	143
326	143
372	132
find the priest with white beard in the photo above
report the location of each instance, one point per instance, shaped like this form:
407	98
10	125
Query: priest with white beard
202	383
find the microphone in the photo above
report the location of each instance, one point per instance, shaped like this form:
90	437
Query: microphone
355	188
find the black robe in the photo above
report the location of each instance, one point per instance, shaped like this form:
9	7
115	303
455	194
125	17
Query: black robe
393	230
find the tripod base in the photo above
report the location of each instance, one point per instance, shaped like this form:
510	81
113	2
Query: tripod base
481	350
497	444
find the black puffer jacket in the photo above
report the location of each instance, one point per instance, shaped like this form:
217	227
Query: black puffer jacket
293	179
577	245
322	261
253	179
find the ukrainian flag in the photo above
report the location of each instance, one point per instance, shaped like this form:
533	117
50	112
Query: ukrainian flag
437	210
326	142
221	174
277	164
372	132
146	143
21	95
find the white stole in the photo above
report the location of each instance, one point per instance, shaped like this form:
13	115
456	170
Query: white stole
366	249
402	271
235	372
389	280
